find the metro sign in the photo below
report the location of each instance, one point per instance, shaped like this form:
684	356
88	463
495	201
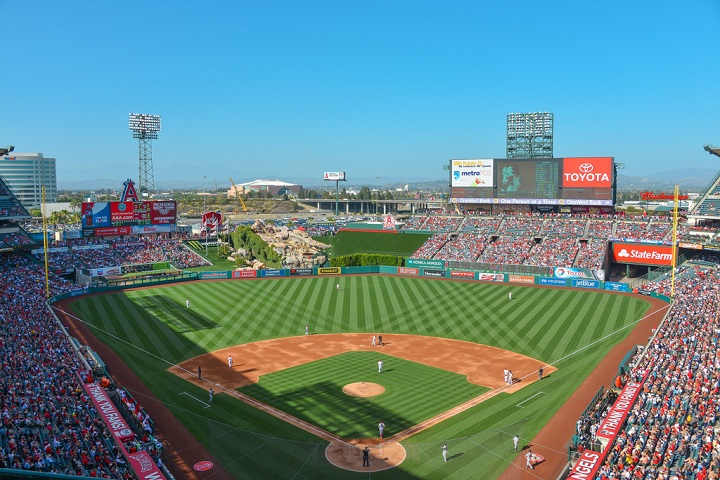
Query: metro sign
642	254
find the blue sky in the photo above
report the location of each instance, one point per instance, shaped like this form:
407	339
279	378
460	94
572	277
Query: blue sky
379	89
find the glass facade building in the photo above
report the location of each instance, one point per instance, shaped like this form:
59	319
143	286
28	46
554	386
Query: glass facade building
26	173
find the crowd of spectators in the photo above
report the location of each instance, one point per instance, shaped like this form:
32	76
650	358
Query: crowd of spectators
98	253
631	229
414	222
554	252
481	225
462	248
431	246
48	422
507	249
563	226
671	431
591	254
14	239
522	225
436	223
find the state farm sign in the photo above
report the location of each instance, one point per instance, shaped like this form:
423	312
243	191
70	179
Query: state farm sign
587	172
642	254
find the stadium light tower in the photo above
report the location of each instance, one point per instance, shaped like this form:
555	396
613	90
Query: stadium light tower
145	128
529	135
712	150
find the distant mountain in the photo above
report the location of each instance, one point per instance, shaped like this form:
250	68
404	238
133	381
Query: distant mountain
695	179
688	179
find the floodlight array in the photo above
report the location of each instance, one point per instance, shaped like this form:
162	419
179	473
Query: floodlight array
144	126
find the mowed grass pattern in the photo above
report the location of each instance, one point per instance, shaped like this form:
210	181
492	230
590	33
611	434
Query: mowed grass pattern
151	329
313	392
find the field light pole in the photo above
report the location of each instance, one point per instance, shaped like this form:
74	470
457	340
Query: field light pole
145	128
202	217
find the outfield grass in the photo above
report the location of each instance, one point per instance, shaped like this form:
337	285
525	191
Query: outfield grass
547	324
401	244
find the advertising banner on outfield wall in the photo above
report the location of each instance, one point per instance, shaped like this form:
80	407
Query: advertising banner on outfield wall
303	272
556	282
425	263
244	273
408	271
461	274
214	275
583	283
329	271
272	272
642	254
566	272
617	286
491	277
521	279
429	272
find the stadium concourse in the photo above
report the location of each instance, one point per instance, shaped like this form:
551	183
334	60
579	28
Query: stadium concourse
50	425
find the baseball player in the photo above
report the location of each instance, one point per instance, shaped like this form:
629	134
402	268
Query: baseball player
380	366
230	361
516	440
509	295
373	343
187	303
211	393
528	460
338	287
366	457
381	428
307	330
444	452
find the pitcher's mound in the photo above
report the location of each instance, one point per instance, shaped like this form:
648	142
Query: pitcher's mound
363	389
381	456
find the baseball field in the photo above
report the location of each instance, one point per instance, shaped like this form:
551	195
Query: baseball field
156	336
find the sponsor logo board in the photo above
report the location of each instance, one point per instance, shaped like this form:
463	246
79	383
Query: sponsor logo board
584	283
301	271
472	173
617	286
329	271
587	172
558	282
272	272
565	272
460	274
206	275
642	254
408	271
429	272
491	277
423	262
521	279
694	246
244	273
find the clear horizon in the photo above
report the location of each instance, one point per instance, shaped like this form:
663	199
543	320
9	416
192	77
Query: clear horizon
381	90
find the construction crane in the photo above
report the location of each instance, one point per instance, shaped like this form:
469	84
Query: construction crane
237	194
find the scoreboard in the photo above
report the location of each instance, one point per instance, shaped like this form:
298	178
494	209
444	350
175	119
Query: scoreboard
534	181
120	218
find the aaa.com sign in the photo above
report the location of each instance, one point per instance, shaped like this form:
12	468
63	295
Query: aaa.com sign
642	254
587	172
